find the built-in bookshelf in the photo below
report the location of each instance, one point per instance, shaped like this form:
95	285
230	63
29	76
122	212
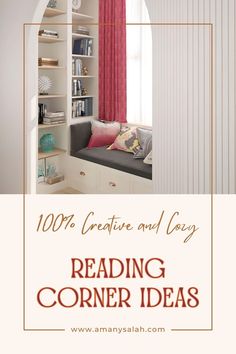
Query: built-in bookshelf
84	55
60	45
52	43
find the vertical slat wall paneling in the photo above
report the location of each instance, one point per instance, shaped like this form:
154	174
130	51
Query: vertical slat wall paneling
234	98
190	98
207	97
154	11
231	72
225	93
201	97
170	51
182	110
195	98
218	93
184	97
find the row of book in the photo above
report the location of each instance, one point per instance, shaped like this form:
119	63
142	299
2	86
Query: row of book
77	67
82	107
54	118
83	47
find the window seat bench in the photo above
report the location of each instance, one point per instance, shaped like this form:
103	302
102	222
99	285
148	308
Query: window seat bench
107	162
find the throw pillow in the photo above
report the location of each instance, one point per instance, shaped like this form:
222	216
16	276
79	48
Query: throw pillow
103	133
126	141
148	159
145	142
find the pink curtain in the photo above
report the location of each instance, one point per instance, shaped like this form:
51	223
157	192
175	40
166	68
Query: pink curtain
112	60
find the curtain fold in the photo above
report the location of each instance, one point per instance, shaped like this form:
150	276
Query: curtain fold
112	60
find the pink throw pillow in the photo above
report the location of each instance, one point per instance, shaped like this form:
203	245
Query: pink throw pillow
101	140
103	133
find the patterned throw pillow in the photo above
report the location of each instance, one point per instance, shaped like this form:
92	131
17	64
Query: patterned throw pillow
145	142
126	141
103	133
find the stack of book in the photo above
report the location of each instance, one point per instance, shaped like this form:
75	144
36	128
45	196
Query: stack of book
81	30
54	118
48	33
83	47
47	62
82	107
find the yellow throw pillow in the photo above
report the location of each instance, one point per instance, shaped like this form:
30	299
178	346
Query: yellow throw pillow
126	140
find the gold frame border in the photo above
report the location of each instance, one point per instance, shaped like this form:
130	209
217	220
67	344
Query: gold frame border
212	162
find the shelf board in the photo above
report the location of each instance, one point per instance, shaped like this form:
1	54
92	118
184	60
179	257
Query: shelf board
43	97
45	188
81	17
83	76
83	56
48	126
78	35
88	96
49	12
46	155
49	67
42	39
83	117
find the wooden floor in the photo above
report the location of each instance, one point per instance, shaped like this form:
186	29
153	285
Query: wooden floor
68	191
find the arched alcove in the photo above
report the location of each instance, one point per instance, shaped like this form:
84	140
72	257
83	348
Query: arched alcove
31	92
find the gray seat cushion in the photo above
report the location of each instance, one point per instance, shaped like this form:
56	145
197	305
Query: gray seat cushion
116	159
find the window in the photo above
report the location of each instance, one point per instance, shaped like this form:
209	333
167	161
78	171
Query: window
139	64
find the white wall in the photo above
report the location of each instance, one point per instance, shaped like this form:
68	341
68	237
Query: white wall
182	157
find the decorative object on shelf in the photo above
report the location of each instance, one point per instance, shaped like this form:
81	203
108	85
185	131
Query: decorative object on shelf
85	71
51	170
48	62
47	142
55	179
41	172
48	33
76	5
84	92
44	85
42	109
52	4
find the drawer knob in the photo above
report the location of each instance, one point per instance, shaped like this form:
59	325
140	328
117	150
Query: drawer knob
112	184
82	173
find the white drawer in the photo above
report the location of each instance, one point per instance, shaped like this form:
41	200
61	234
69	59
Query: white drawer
86	176
141	185
114	181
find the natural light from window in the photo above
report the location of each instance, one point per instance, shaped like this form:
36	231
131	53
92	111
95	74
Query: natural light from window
139	64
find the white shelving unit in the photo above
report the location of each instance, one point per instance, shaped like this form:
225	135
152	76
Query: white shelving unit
56	99
87	16
60	98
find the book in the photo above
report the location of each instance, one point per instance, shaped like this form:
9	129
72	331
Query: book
48	33
83	46
46	122
82	107
54	114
